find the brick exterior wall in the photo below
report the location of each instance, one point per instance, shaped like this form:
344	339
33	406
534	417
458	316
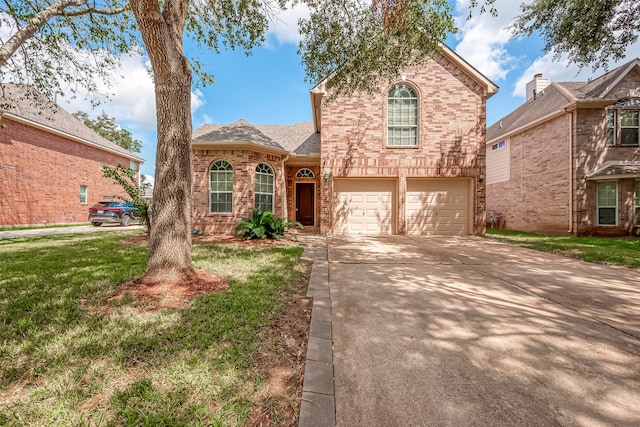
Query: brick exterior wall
540	197
452	122
244	164
41	174
592	151
537	197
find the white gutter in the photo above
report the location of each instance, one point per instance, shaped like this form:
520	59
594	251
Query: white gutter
570	172
69	136
284	188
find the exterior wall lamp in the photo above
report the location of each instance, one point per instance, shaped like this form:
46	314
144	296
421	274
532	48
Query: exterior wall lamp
325	175
481	177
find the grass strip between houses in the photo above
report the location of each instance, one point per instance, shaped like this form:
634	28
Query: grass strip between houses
624	251
71	355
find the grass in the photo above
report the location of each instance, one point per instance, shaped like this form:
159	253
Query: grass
603	250
67	359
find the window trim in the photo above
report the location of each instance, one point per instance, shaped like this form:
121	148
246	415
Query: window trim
598	206
611	141
211	191
636	127
415	126
273	185
305	173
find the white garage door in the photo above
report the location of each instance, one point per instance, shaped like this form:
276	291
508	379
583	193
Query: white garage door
363	206
438	206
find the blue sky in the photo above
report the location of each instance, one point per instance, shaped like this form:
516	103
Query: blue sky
269	86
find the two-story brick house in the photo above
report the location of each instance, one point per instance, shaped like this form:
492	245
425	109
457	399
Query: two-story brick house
50	162
408	159
568	160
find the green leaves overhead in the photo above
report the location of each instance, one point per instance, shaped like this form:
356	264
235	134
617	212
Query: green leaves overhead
108	128
359	44
62	46
590	32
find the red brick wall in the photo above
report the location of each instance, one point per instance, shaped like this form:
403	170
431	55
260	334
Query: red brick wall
452	124
244	164
41	174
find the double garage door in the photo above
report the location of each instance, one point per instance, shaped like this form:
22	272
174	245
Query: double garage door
433	206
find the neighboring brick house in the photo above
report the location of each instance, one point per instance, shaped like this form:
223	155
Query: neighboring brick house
568	160
50	162
407	160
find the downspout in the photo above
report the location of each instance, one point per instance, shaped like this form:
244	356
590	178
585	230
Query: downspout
570	173
284	188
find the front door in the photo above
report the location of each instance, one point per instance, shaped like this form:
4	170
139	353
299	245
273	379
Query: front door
305	208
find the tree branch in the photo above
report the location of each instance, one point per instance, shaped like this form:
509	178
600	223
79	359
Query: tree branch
56	9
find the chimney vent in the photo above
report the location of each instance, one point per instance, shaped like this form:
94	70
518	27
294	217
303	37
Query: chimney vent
537	85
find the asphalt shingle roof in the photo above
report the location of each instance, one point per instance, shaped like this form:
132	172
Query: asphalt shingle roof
300	138
560	95
27	103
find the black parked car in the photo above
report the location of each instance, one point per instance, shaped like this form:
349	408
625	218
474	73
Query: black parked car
122	212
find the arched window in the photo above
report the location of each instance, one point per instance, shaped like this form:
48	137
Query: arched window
305	173
402	116
264	187
221	187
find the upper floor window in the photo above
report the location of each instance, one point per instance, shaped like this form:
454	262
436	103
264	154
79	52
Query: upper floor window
629	127
264	187
305	173
221	187
402	116
623	123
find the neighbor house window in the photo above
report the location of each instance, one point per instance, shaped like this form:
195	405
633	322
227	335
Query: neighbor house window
83	194
221	187
402	116
629	127
133	165
305	173
607	203
623	123
611	127
264	187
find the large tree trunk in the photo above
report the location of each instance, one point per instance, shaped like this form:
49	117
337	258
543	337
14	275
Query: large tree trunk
170	238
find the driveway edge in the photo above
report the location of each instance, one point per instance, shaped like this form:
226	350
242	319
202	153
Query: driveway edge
318	408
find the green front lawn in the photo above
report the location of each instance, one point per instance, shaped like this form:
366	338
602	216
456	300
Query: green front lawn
71	355
612	251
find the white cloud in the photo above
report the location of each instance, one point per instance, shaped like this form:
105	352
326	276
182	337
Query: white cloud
131	96
483	38
284	25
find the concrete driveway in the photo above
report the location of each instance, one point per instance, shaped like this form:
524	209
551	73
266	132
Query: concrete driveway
433	331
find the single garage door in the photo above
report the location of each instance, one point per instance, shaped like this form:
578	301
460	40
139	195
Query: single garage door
438	206
363	206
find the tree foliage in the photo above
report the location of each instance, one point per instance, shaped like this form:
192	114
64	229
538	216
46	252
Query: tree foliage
358	44
590	32
64	46
107	127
